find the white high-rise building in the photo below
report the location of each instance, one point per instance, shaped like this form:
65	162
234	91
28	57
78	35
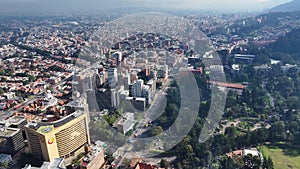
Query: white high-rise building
147	94
139	90
118	56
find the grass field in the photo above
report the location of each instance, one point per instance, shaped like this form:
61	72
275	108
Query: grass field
282	158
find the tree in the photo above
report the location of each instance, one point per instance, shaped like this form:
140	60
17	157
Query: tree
126	162
179	165
109	158
268	163
164	163
4	164
230	131
31	78
278	132
2	72
251	162
155	130
1	91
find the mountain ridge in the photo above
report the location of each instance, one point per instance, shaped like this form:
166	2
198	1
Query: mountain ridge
287	7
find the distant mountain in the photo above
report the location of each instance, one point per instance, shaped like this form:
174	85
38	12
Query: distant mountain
287	7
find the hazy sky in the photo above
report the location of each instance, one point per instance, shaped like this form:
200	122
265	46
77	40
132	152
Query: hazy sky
32	6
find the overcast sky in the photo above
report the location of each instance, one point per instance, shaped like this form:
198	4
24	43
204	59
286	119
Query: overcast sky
31	6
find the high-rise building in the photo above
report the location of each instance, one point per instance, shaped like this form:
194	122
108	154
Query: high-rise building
147	94
64	138
139	90
11	140
115	96
17	122
118	57
80	103
152	85
162	71
112	77
137	87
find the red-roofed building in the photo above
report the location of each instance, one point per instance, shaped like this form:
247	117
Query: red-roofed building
145	166
228	85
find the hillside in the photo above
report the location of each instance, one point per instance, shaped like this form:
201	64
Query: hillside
287	7
286	48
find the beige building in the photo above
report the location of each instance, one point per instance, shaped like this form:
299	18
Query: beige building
64	138
94	158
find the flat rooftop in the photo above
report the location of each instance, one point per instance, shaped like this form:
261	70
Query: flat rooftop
8	132
57	163
58	123
4	115
16	120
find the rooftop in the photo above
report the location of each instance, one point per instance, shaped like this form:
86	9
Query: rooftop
8	132
5	157
16	120
228	85
57	163
93	153
58	123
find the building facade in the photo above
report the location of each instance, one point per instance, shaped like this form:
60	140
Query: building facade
64	138
11	140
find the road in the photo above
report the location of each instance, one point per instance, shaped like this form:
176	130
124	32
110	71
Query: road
157	107
36	97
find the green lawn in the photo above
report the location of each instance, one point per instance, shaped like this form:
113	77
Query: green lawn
280	159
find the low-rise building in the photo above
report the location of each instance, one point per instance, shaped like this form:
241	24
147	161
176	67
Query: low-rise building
125	123
135	104
57	163
94	157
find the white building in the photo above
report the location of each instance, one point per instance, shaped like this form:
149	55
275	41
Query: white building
162	71
126	123
57	163
140	90
147	93
118	56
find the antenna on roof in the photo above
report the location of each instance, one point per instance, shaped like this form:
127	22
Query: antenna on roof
6	125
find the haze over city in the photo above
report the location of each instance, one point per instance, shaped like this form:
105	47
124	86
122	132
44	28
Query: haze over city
149	84
54	6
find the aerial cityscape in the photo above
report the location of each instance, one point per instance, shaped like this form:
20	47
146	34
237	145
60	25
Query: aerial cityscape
153	85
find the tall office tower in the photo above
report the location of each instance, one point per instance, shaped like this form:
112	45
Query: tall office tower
137	88
11	140
162	71
152	85
127	81
64	138
118	57
115	96
81	104
77	83
112	77
147	94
